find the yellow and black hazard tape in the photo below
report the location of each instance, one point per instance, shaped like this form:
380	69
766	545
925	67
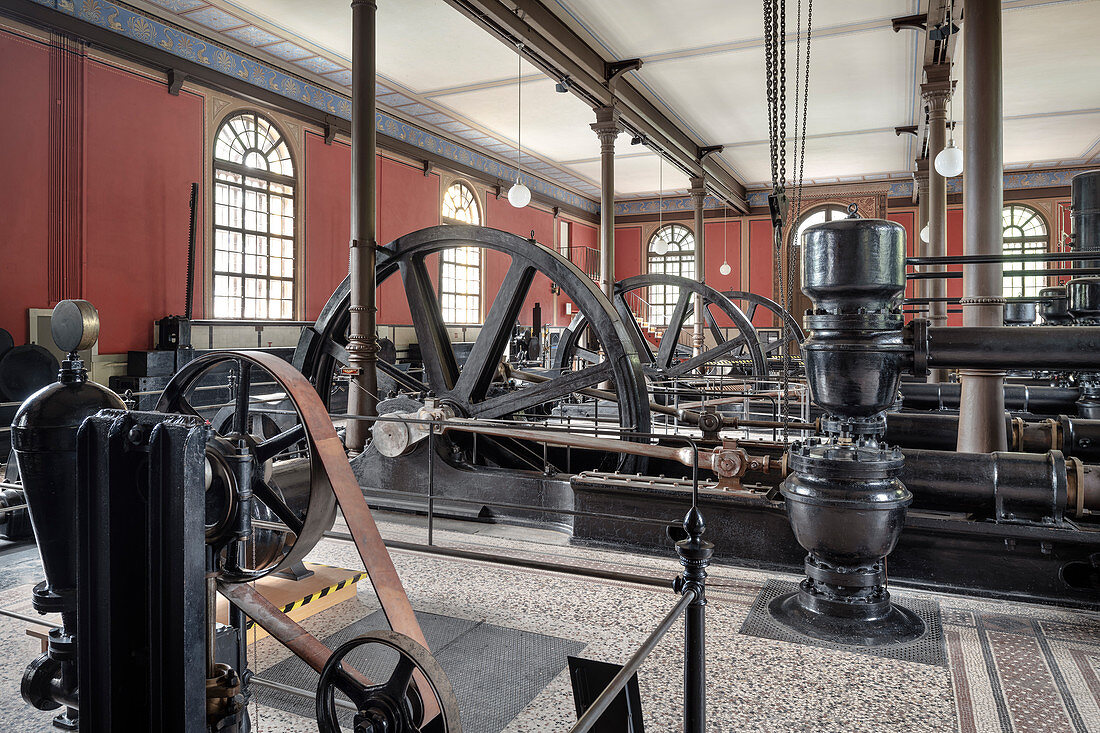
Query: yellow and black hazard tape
319	594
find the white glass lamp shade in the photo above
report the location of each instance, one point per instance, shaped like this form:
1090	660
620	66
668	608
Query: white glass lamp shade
725	269
949	162
924	234
519	195
660	247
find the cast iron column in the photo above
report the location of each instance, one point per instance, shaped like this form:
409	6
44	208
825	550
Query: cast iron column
920	180
982	403
936	91
362	339
698	193
607	129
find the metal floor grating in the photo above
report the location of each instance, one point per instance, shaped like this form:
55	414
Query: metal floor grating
929	649
495	671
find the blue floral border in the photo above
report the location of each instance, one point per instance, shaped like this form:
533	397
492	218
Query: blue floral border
896	189
152	32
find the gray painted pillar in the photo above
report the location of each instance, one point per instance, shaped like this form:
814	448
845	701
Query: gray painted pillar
698	193
982	403
607	129
362	339
936	91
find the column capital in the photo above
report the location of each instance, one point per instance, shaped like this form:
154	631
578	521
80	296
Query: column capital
938	87
607	127
697	191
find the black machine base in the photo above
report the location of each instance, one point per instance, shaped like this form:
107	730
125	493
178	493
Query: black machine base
879	624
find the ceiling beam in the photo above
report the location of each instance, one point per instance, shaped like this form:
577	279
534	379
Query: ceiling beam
551	45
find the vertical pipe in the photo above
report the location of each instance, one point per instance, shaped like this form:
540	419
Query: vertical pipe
981	408
607	129
698	193
936	91
920	180
362	341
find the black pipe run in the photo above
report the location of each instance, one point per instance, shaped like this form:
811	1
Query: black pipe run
987	347
1018	397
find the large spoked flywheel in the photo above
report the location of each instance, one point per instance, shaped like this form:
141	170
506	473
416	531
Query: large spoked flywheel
664	358
477	386
792	333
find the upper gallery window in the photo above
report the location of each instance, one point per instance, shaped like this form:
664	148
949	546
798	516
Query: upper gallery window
254	223
1024	232
460	267
819	216
671	251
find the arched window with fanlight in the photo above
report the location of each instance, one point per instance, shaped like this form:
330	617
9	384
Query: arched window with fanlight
460	267
671	251
1023	232
254	223
819	215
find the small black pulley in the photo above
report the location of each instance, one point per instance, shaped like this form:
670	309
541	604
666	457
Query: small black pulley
393	706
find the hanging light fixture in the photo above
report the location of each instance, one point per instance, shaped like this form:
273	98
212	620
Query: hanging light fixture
660	247
949	161
519	195
924	234
725	269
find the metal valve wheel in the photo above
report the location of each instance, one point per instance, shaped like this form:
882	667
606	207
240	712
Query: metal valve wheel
393	706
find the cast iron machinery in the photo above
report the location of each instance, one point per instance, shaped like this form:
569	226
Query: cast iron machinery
480	388
845	502
44	437
160	511
742	349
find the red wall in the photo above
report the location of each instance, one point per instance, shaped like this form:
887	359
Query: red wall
761	259
499	214
327	224
955	246
907	219
24	181
141	155
628	252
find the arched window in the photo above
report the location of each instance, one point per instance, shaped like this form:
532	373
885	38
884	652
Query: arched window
671	251
460	267
820	215
254	242
1023	232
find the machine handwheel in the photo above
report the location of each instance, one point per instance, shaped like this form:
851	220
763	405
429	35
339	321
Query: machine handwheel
394	706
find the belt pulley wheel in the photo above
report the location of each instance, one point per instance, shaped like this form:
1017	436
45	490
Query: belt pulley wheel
751	302
743	345
288	482
474	390
393	706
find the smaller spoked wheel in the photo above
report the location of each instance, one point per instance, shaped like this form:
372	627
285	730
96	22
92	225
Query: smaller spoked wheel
791	333
268	501
395	705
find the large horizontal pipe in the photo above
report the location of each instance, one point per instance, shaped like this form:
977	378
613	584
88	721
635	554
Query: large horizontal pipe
1018	397
1000	347
1075	437
993	259
1002	485
1044	272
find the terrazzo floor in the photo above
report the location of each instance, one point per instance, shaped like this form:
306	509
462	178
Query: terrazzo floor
1011	666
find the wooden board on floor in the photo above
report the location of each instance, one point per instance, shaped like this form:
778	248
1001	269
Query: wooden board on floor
300	599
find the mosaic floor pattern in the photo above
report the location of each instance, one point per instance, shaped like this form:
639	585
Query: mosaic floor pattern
1011	667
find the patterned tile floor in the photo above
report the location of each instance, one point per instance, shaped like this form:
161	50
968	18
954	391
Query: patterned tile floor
1011	667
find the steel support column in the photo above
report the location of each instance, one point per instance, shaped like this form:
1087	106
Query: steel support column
981	408
920	180
936	91
607	129
362	339
698	193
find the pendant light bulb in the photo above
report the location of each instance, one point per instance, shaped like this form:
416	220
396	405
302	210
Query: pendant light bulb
660	247
949	162
924	234
519	195
725	269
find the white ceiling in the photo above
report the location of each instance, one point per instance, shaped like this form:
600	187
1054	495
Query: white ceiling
704	65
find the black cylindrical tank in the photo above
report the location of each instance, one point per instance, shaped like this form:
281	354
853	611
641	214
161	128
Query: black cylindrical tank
1083	295
44	440
1085	191
1020	312
1054	306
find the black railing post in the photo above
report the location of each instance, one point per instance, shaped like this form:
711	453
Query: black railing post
695	554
